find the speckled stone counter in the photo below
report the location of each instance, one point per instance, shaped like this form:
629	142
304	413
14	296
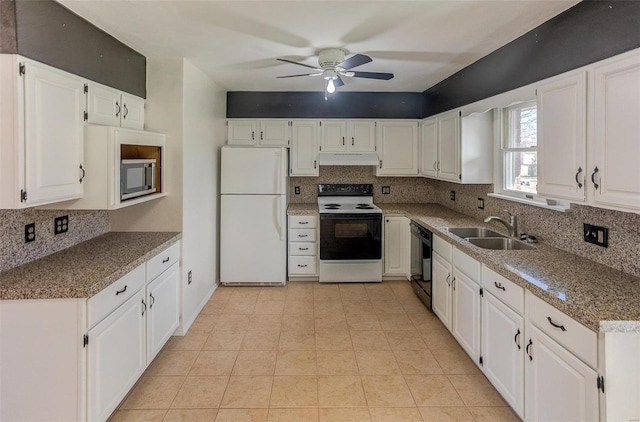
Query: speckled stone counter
310	208
602	298
85	269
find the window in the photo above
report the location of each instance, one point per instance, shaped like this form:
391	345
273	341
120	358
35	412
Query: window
518	154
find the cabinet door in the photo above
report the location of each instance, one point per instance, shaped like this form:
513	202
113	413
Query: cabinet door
429	150
503	350
104	106
559	387
116	357
449	146
242	132
54	119
562	138
132	112
616	145
441	277
304	148
274	133
332	135
465	325
361	136
398	148
164	314
395	249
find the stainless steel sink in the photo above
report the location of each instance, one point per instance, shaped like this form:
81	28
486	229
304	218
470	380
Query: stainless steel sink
499	243
465	232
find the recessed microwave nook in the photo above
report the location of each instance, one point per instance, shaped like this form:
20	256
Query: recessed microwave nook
140	171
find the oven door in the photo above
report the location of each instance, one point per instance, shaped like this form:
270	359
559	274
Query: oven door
350	237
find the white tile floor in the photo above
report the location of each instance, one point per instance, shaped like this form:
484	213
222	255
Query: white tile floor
314	352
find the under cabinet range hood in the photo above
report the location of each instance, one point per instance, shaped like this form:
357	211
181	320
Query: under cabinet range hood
348	159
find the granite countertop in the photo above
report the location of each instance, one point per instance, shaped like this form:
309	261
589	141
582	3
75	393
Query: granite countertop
85	269
600	297
310	208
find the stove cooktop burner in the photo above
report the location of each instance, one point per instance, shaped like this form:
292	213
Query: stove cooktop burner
364	207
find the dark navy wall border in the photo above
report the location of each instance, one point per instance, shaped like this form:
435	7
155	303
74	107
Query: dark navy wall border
48	32
373	105
590	31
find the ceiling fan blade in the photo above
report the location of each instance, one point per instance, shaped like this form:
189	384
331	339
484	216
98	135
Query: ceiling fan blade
299	64
304	74
356	60
373	75
338	82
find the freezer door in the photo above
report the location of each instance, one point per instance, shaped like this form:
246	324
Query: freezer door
253	239
254	171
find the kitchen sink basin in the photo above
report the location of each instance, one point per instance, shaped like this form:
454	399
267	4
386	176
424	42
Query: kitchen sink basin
499	243
466	232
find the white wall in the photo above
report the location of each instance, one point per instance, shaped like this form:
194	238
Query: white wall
204	128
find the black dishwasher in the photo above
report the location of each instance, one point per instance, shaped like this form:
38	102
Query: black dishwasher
421	245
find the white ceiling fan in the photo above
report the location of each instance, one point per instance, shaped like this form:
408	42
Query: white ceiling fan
333	65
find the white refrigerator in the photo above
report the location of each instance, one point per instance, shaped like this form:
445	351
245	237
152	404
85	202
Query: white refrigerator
253	216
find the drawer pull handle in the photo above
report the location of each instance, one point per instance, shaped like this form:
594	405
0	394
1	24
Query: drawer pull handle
121	291
303	222
453	283
578	174
153	300
499	286
556	325
515	339
448	278
303	235
593	178
144	307
164	261
527	349
302	265
303	249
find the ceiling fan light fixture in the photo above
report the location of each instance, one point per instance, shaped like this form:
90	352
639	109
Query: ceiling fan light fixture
331	88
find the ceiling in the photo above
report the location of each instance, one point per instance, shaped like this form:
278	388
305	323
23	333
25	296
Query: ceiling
237	42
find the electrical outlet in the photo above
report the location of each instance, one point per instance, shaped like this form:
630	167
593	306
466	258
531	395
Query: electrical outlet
29	232
189	277
452	195
386	190
61	224
481	203
296	190
596	235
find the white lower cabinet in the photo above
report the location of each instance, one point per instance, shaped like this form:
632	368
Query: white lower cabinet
163	314
303	246
465	321
503	350
115	357
396	246
559	386
441	295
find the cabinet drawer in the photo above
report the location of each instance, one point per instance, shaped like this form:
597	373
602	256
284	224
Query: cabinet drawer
105	302
506	290
466	264
574	336
159	263
302	235
302	222
302	248
442	248
302	265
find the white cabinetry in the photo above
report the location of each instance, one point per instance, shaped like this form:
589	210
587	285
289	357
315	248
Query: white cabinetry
429	147
465	325
347	136
441	277
562	137
449	147
303	246
304	148
163	315
263	132
396	246
397	148
108	106
40	134
616	134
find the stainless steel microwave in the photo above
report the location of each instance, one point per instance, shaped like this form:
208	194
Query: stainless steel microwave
137	178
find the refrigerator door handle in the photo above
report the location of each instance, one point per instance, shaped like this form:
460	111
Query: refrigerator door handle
279	216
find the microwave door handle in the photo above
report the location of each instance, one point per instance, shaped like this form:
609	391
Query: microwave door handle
153	176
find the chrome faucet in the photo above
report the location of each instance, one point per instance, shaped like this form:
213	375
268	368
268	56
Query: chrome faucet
512	225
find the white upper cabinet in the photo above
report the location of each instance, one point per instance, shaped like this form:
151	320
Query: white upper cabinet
264	132
398	148
456	148
615	145
303	157
429	148
347	136
562	137
108	106
41	134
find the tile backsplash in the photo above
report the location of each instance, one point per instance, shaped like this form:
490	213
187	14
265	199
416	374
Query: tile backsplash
83	225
